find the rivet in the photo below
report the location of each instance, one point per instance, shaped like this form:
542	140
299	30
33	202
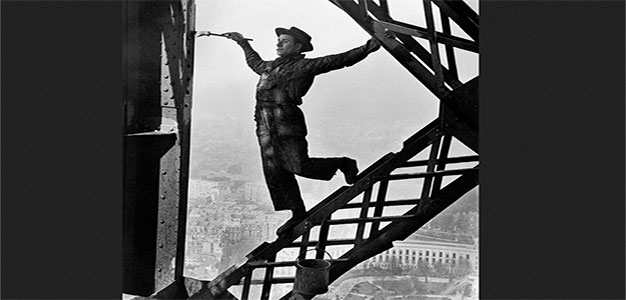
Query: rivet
164	172
172	97
166	76
160	245
162	222
159	270
162	196
186	105
165	103
166	90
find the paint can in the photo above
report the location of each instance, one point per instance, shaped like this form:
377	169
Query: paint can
312	275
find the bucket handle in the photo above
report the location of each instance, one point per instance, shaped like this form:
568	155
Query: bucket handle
316	249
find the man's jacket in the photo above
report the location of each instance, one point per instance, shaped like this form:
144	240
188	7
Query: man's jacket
286	80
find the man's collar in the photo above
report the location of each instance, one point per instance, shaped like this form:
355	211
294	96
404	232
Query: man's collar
295	56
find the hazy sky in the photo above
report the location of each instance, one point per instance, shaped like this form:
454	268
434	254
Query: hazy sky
373	92
377	87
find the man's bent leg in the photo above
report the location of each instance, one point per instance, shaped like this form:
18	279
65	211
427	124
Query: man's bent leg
295	158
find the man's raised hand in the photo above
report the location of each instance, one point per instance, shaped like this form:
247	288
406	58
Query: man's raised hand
235	36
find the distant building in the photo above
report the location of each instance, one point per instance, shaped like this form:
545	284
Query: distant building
211	246
203	189
419	247
256	191
254	225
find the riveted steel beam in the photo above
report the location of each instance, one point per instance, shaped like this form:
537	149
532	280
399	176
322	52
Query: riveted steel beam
158	61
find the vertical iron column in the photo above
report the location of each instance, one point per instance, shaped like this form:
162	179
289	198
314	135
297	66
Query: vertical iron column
158	61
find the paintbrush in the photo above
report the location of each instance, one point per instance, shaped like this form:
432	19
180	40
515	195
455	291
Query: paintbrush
208	33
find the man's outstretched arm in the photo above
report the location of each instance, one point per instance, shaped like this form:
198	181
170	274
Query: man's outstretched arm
253	59
337	61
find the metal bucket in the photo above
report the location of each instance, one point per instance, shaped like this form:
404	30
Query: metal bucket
312	275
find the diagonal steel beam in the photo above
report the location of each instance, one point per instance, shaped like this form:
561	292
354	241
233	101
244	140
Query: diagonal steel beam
462	14
442	38
434	46
450	57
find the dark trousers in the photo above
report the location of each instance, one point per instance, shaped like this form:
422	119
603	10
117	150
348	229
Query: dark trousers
283	158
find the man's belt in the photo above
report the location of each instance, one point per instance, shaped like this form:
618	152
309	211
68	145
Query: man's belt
273	104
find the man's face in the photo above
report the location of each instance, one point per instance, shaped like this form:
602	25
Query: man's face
287	45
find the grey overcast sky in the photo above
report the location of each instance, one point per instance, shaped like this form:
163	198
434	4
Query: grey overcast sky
375	92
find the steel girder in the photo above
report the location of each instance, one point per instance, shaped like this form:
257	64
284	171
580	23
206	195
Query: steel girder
425	64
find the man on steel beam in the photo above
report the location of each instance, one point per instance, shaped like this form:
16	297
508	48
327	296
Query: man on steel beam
280	125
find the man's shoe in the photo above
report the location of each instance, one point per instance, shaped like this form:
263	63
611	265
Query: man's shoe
349	169
298	216
285	228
